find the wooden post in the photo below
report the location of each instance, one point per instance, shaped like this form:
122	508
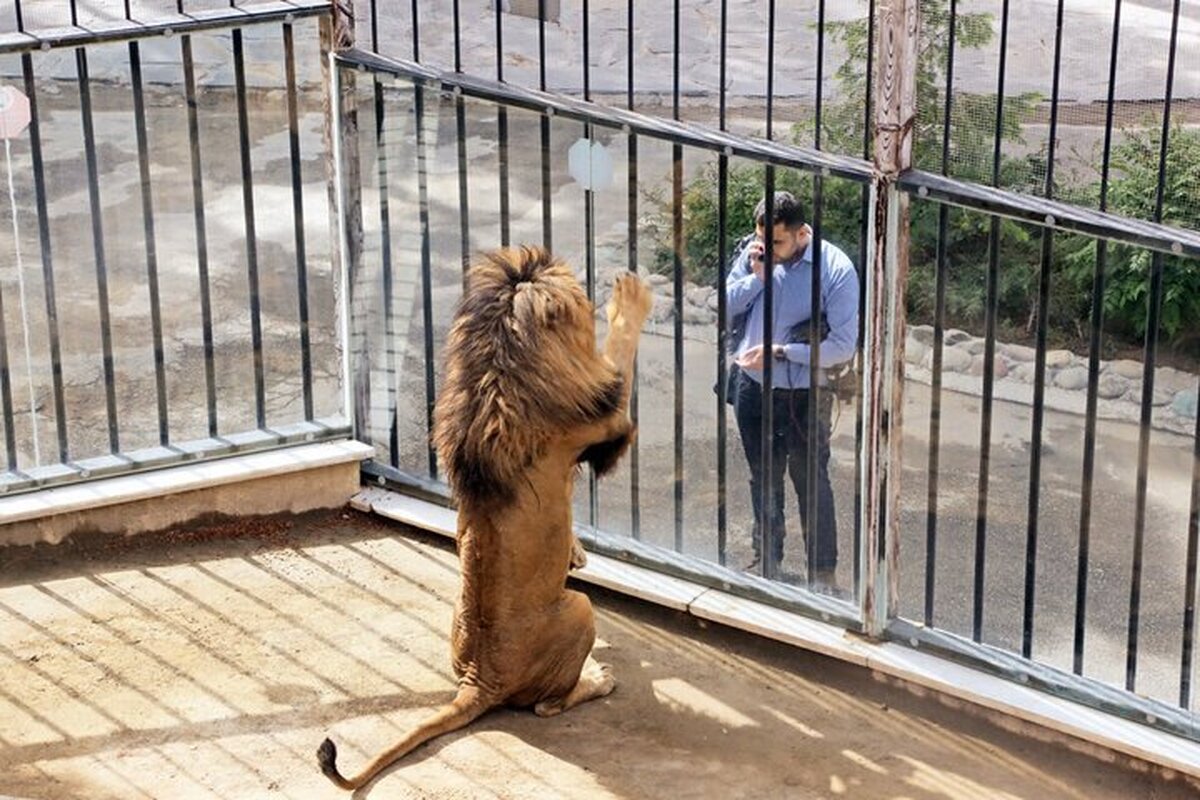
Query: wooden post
337	35
897	24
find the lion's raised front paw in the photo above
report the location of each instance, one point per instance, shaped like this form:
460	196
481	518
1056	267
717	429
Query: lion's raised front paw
631	299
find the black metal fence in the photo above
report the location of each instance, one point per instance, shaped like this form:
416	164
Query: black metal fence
1049	453
168	206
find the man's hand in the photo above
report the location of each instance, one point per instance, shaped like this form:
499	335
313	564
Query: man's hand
752	359
755	252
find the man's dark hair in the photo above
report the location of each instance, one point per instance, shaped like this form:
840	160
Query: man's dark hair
787	209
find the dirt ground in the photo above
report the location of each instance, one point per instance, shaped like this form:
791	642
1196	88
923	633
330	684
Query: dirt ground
209	664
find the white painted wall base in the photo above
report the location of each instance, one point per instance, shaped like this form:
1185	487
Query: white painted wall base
290	479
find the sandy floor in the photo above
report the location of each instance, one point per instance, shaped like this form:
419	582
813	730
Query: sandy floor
209	665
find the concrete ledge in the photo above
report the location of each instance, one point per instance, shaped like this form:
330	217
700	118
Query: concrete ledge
1045	712
291	479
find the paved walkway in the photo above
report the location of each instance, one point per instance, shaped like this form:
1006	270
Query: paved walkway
210	664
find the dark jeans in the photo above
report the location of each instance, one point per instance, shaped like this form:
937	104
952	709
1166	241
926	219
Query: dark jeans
790	452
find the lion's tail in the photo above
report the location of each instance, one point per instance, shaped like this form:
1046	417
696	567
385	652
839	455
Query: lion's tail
466	706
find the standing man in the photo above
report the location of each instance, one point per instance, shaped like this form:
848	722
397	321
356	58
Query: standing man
792	373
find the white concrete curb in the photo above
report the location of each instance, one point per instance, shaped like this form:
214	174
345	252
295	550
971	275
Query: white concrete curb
174	480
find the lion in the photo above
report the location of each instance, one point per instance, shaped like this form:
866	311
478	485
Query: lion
526	400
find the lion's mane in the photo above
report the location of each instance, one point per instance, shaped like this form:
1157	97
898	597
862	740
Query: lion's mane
521	368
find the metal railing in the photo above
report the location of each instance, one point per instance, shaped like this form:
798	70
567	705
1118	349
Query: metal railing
147	213
990	232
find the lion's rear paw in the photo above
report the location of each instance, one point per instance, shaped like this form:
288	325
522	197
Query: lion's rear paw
596	680
578	556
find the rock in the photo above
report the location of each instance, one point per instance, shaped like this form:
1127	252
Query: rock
1161	396
1018	352
698	295
1074	378
1023	372
697	316
999	367
955	360
974	346
1110	386
1173	380
955	336
923	334
656	280
1058	359
663	311
1126	368
914	352
712	302
1184	403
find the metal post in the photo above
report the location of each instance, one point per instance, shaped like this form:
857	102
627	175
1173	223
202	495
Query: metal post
345	202
895	108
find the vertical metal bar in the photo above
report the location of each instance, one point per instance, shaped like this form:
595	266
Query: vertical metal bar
298	220
939	331
460	132
864	237
935	407
6	404
814	385
239	77
1093	368
416	29
766	527
20	17
722	311
677	242
464	211
502	132
635	502
1039	377
189	86
457	38
139	115
770	74
1152	322
426	272
547	210
812	524
385	234
989	352
589	223
766	487
89	150
43	216
1097	331
1189	597
375	27
820	72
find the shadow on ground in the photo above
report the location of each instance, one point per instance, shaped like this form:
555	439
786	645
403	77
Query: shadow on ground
210	663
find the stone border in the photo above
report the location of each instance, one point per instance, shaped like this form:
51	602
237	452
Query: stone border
1119	391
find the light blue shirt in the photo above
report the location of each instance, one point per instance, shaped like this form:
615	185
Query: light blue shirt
792	303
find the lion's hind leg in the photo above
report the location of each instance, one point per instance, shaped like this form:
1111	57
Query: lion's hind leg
595	681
